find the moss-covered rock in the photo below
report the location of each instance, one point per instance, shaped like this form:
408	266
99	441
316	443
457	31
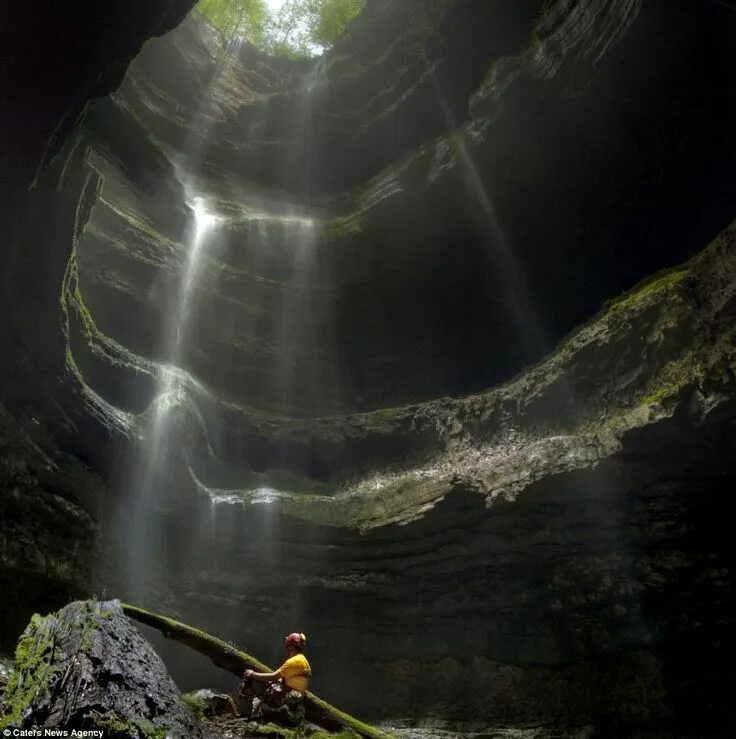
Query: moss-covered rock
205	703
86	667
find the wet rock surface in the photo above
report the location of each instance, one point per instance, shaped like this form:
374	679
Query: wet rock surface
207	703
49	502
6	669
385	264
86	667
571	541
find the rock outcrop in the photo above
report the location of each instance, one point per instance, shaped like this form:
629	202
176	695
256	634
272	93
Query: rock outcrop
49	502
6	668
570	541
87	668
55	60
379	252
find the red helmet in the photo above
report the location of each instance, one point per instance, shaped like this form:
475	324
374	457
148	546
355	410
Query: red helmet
298	641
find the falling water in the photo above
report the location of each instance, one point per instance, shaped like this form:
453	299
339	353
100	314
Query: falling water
140	535
288	230
203	225
139	531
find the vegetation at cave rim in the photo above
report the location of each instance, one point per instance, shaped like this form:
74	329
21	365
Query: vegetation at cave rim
299	28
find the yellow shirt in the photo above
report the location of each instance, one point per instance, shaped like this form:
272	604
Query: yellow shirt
296	672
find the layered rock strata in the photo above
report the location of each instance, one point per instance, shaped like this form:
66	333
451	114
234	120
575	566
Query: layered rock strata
352	273
369	247
569	541
49	503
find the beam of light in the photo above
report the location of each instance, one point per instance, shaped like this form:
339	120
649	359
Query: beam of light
525	315
140	530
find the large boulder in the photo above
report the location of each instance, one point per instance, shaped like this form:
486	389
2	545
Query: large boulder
86	667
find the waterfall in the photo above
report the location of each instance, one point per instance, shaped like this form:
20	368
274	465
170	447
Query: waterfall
138	528
278	237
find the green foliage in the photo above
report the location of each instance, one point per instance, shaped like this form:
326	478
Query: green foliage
195	705
33	667
246	18
300	28
333	18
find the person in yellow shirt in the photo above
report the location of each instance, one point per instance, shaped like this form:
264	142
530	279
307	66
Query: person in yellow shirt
283	698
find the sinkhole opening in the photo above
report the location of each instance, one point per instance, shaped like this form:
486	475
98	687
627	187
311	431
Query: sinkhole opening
285	28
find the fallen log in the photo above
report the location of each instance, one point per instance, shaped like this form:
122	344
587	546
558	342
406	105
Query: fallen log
233	660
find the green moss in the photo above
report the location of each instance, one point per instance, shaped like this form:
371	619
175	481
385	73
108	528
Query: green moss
33	668
116	725
648	289
383	419
195	705
360	728
674	377
345	226
36	674
273	730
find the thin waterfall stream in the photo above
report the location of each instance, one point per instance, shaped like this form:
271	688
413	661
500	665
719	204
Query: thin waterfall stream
273	231
157	451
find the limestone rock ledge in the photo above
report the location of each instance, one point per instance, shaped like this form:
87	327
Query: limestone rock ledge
568	540
652	364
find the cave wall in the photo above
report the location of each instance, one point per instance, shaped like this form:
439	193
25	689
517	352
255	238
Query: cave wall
49	508
555	539
55	58
564	563
565	167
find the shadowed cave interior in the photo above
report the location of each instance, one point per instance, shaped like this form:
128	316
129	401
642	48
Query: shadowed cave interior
423	346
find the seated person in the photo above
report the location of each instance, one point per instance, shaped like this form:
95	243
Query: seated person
283	697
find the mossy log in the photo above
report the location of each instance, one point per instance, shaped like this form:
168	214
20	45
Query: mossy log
233	660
